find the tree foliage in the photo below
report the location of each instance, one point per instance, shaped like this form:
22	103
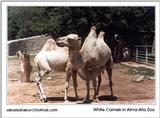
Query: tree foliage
58	21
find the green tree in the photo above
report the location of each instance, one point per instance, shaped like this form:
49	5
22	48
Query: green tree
58	21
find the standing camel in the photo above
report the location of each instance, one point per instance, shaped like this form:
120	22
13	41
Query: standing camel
25	66
91	59
53	57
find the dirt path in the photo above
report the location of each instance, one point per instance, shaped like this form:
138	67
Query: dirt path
125	89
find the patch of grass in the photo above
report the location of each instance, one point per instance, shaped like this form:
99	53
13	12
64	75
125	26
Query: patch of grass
12	58
141	71
15	57
135	70
119	66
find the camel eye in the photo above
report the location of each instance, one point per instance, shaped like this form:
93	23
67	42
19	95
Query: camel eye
69	39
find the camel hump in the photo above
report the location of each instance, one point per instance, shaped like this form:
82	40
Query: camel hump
101	35
90	41
93	28
72	36
92	32
49	45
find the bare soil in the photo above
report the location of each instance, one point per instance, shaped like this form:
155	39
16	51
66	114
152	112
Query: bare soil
125	89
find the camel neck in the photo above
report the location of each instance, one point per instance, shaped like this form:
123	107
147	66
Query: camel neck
75	58
72	52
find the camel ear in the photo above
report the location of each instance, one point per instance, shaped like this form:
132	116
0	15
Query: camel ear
79	43
17	53
62	38
79	38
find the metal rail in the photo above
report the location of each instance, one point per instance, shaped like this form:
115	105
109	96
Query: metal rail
143	54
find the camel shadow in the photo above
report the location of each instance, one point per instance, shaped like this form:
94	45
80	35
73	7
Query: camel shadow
71	99
80	100
107	98
32	81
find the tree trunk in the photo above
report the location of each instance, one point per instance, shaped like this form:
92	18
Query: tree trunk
25	67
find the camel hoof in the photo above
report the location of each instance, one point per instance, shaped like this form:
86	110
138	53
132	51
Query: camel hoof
66	101
95	99
86	101
44	100
77	97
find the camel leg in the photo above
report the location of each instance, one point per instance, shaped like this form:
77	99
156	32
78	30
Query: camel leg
84	74
99	83
41	91
68	76
74	77
86	100
39	84
95	97
109	71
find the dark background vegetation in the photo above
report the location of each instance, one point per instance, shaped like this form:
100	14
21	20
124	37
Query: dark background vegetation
127	22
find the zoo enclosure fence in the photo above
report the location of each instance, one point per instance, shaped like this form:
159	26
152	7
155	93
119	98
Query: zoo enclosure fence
143	54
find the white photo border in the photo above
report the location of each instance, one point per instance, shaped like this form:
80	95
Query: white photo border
77	110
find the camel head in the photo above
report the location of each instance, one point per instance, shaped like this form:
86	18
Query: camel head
71	40
19	53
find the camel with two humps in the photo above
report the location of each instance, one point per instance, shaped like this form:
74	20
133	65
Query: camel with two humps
54	58
91	60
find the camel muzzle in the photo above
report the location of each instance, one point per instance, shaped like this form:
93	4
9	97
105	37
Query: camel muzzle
59	44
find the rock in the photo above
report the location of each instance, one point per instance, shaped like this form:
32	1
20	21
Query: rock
19	81
49	78
150	77
139	78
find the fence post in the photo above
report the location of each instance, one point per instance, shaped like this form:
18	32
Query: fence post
129	52
146	55
136	53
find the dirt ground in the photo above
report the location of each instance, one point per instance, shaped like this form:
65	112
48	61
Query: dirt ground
125	89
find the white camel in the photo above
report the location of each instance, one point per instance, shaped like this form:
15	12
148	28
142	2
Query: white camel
91	59
53	57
